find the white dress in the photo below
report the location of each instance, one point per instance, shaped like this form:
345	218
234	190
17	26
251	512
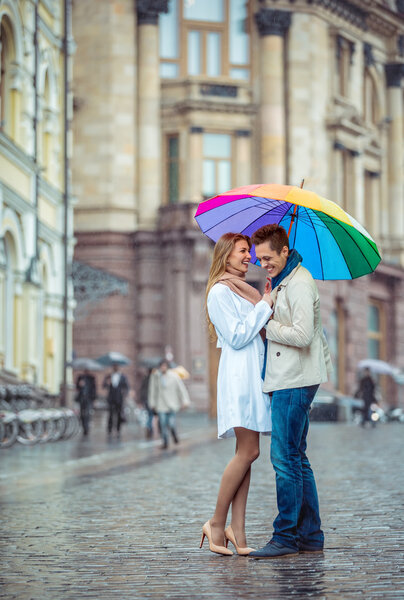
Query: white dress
240	399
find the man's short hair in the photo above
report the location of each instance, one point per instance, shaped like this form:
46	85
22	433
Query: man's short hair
274	234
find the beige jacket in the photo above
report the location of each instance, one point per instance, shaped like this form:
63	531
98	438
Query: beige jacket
167	393
298	353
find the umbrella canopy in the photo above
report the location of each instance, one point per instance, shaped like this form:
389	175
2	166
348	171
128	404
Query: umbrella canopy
377	366
85	364
152	362
332	243
113	358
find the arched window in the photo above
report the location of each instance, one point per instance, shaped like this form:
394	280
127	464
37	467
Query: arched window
7	58
371	109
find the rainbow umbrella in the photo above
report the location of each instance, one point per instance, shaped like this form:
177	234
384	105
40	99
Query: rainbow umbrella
332	243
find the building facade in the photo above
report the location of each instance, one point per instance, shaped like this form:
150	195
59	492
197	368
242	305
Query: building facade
177	100
36	320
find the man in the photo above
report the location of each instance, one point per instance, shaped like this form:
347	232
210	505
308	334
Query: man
298	361
86	393
118	387
167	395
366	392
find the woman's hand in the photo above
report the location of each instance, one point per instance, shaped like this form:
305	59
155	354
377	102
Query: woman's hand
267	292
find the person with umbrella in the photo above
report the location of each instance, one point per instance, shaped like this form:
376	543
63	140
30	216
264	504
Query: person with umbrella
117	385
366	392
236	313
86	394
298	361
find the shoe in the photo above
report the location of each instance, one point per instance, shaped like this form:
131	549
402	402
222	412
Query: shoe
309	547
229	536
164	446
273	550
207	532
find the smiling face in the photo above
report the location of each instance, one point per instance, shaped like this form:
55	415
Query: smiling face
270	260
240	256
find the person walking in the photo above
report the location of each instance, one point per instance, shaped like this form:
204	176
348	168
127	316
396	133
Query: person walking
236	313
298	361
144	403
167	395
86	394
117	385
366	392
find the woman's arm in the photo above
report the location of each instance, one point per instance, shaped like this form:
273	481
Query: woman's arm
236	330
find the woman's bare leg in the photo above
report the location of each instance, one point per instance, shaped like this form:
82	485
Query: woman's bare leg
234	477
238	510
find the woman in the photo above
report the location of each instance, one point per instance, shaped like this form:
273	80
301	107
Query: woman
237	313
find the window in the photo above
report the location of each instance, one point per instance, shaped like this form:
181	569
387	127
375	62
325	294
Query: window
205	37
7	57
372	203
371	110
344	57
217	154
376	329
172	168
336	339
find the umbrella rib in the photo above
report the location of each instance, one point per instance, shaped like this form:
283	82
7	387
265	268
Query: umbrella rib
266	213
318	243
337	222
233	215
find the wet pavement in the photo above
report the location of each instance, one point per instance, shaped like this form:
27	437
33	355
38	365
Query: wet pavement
122	519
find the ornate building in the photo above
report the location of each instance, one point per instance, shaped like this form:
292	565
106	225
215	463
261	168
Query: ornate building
218	94
36	304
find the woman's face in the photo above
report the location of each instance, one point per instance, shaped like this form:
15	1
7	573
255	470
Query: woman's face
240	256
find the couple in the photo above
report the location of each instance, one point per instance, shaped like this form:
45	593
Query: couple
297	362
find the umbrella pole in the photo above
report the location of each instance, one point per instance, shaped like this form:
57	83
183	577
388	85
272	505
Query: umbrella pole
294	211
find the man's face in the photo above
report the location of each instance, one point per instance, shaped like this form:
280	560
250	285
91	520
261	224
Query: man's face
270	260
164	367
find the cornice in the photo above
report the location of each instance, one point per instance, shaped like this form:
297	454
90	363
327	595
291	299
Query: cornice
362	14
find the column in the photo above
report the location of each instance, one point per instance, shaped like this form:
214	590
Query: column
394	74
149	130
272	26
194	166
243	157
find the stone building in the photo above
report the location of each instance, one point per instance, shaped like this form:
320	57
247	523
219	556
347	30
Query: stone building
178	100
36	322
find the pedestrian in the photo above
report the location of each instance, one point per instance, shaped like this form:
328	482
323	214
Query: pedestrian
86	394
298	361
366	392
144	403
167	395
118	388
236	313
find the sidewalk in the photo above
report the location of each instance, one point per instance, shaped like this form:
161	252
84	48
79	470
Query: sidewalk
126	523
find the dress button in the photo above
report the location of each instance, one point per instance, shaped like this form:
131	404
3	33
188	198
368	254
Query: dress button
278	354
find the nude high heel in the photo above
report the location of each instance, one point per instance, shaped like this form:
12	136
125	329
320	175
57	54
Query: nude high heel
207	532
229	536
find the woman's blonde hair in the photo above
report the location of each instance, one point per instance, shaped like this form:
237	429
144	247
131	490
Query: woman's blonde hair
221	252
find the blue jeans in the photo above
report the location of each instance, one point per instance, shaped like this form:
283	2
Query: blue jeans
167	423
299	516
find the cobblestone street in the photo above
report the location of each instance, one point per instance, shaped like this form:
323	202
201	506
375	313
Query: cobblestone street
88	519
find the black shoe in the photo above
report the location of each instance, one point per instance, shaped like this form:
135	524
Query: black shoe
175	437
164	446
273	550
309	547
